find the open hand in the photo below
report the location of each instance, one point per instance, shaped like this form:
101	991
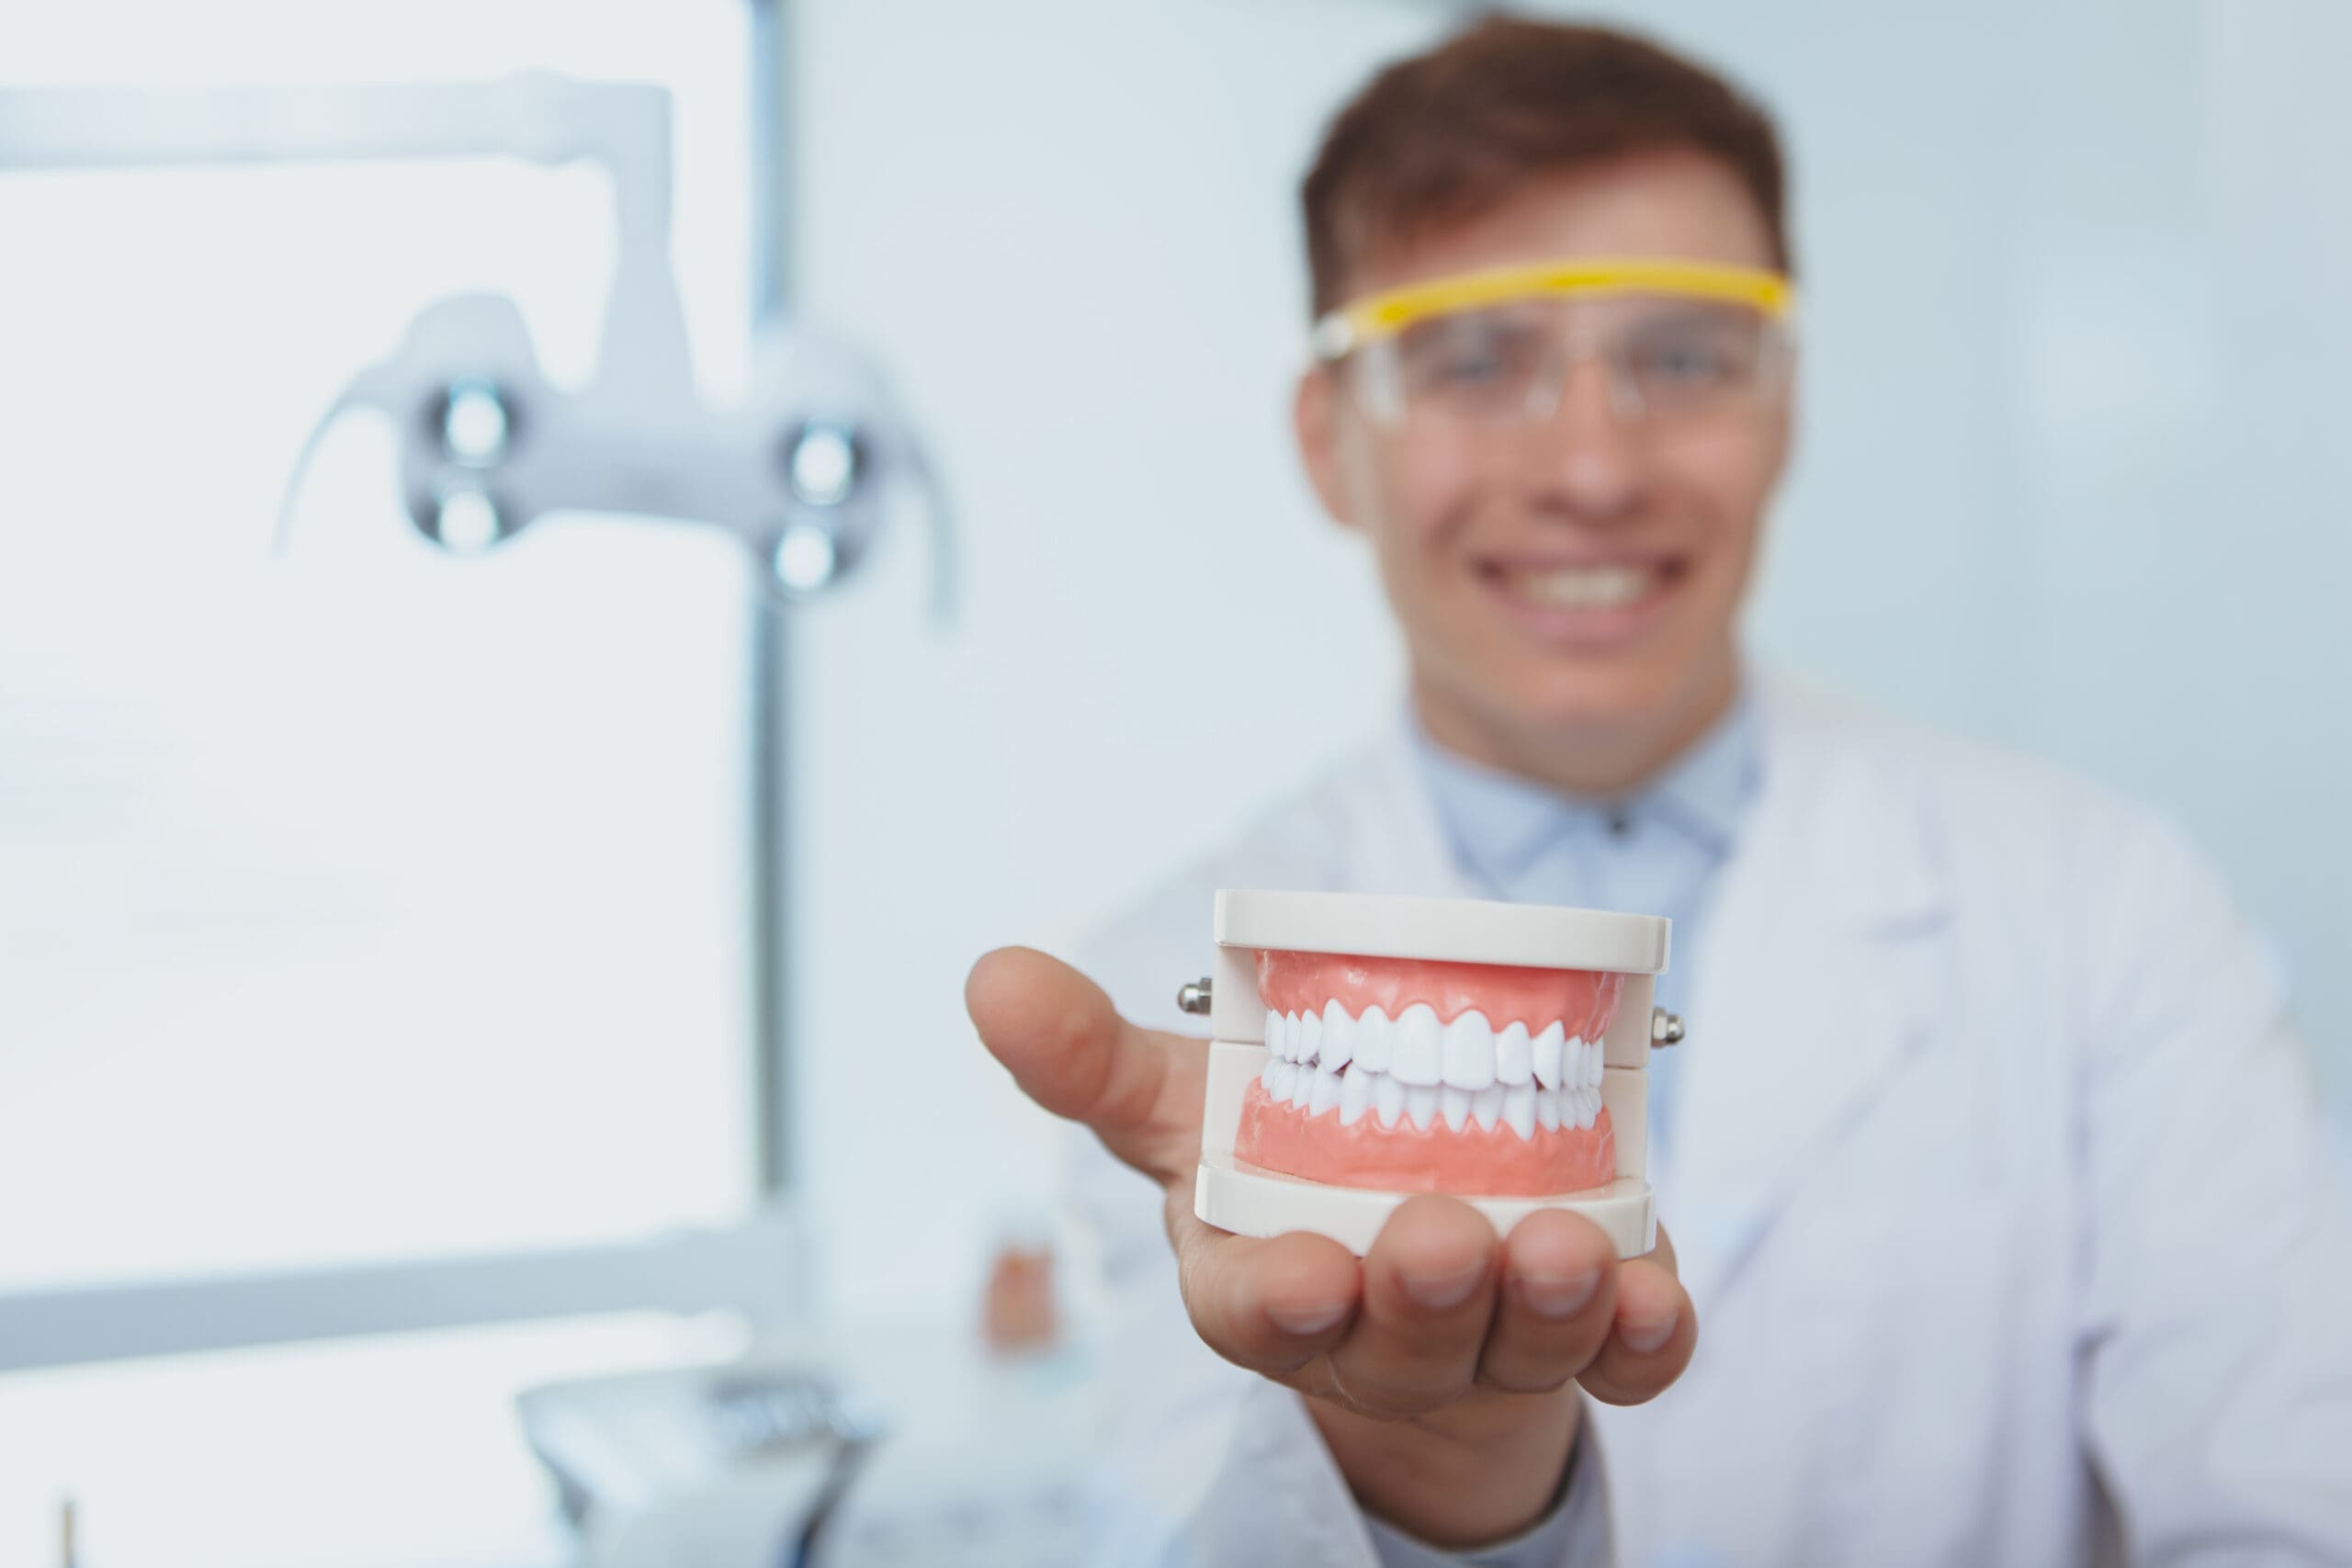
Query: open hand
1441	1366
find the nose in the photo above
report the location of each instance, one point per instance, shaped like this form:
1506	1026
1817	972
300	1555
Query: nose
1587	456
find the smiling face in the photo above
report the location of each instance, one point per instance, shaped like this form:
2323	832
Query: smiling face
1568	585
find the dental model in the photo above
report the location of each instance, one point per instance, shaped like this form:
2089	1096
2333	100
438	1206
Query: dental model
1366	1049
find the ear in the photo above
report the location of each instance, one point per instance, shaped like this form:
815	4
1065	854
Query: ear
1316	415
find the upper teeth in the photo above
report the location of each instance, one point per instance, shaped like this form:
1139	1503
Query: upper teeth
1589	587
1415	1066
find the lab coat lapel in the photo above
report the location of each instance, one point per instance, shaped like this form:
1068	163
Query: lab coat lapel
1821	978
1821	975
1392	839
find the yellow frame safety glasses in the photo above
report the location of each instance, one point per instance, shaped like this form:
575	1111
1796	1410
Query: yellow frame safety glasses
1380	316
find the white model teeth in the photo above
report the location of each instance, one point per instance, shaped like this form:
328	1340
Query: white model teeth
1464	1071
1339	1036
1418	1052
1586	588
1519	1109
1512	1063
1544	1056
1469	1053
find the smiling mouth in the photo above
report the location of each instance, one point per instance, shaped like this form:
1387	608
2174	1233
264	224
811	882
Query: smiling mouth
1587	605
1610	585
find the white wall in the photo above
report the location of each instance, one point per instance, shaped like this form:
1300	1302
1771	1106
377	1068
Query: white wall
2074	380
2075	401
361	904
1066	223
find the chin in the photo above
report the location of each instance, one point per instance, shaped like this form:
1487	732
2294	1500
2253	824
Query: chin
1610	697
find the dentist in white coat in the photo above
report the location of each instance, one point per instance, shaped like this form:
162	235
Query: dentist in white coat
1992	1169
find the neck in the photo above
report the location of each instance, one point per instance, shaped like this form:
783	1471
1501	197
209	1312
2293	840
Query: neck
1600	759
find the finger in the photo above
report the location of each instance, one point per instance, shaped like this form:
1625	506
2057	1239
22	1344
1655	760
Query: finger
1557	1304
1651	1340
1663	1253
1272	1304
1427	1294
1070	1052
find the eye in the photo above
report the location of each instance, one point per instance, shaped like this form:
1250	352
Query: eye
1471	363
1687	362
1693	353
1470	356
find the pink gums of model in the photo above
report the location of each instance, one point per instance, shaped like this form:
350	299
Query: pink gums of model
1506	1105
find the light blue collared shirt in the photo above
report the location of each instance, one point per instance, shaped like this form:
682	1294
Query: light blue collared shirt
1654	852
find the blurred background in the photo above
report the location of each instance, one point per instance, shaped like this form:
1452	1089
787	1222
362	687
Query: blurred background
367	908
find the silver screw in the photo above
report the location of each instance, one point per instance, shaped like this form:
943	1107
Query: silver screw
1193	996
1665	1028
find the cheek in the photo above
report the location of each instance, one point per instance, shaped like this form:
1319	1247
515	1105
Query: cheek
1727	484
1425	493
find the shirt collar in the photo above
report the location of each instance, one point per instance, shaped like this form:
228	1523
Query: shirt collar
1705	791
1498	821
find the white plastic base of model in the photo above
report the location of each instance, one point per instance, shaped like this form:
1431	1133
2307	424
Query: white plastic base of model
1246	1200
1626	1042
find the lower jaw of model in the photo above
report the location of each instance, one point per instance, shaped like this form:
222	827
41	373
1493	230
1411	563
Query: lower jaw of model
1415	1076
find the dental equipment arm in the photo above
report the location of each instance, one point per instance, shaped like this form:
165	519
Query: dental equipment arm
804	472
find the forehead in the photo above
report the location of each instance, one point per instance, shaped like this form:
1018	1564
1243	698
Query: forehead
1683	205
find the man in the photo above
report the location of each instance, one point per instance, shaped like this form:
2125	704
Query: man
1993	1165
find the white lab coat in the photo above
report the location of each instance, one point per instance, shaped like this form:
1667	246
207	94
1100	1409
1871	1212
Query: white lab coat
2000	1187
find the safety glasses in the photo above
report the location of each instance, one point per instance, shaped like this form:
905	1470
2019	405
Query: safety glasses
1674	340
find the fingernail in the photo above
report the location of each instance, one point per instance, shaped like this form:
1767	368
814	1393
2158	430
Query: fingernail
1307	1319
1438	1291
1557	1295
1643	1337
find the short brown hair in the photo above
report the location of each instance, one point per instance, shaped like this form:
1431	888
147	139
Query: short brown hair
1449	134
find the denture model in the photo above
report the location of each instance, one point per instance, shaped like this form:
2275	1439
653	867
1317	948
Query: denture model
1366	1049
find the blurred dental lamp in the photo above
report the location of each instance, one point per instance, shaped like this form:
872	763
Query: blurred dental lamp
804	472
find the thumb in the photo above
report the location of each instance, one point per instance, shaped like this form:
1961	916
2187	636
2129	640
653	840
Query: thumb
1070	1050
